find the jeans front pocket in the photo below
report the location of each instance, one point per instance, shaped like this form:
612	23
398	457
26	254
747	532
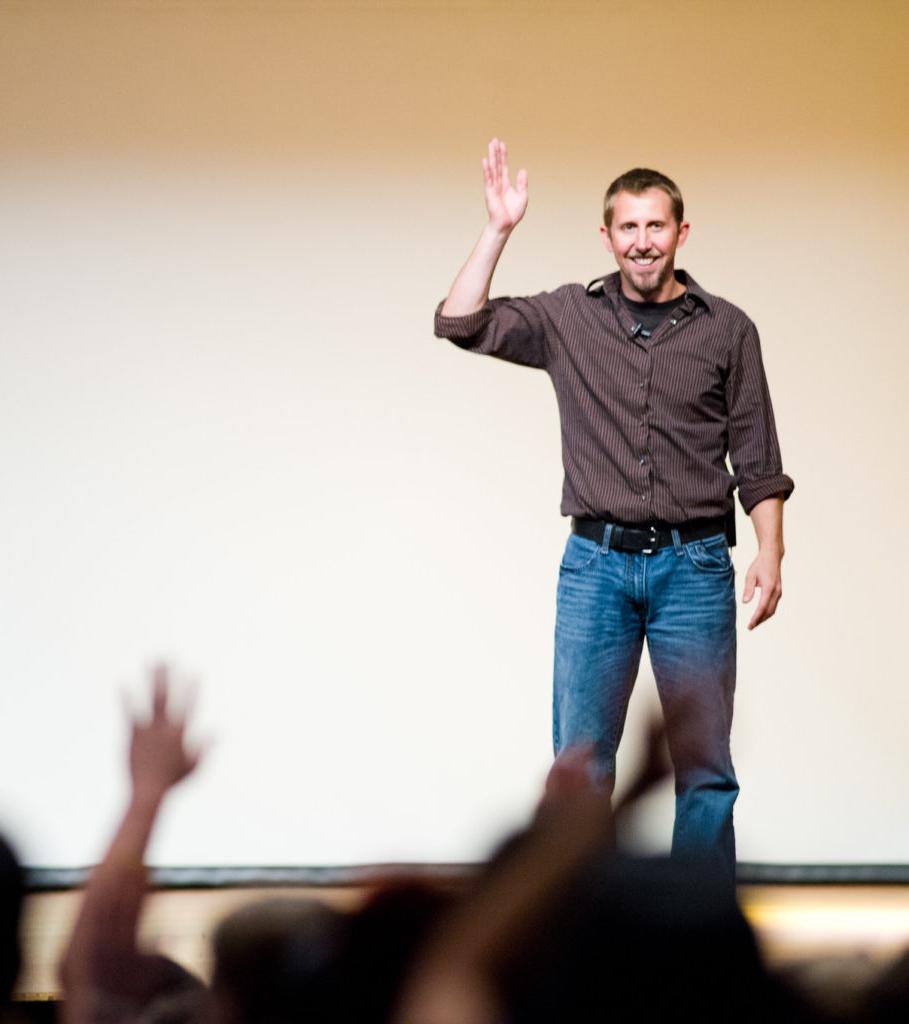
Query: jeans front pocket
710	555
579	553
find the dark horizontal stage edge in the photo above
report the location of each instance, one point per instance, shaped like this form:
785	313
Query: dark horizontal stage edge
51	879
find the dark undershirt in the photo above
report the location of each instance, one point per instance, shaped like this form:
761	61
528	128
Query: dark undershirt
650	314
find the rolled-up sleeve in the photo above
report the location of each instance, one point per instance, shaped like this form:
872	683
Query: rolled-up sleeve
517	330
753	446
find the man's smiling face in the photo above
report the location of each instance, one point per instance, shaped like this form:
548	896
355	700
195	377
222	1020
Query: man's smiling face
643	235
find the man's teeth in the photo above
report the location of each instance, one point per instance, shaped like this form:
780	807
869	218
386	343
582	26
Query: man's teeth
643	261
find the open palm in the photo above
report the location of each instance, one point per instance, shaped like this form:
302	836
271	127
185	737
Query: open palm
505	202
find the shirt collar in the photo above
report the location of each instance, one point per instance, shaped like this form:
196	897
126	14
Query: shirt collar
611	285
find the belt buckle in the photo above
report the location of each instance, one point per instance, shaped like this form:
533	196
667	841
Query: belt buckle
652	541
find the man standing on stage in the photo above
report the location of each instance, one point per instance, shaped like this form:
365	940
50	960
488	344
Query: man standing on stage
656	381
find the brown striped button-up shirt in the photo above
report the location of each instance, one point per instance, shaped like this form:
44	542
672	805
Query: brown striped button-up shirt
646	424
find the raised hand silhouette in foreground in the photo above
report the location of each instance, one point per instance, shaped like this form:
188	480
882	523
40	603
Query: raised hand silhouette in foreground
103	970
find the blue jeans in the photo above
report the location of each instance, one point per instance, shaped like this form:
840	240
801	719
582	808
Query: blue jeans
682	599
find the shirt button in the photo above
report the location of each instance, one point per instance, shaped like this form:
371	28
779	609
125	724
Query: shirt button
643	497
643	460
642	385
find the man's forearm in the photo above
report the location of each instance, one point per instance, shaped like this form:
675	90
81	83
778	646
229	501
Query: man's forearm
767	519
471	287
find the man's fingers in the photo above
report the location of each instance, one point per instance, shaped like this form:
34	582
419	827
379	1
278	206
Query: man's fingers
756	619
761	607
498	164
766	607
749	588
495	169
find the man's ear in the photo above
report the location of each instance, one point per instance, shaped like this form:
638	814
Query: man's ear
683	233
607	241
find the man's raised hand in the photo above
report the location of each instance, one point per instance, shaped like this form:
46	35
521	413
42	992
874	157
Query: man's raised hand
505	203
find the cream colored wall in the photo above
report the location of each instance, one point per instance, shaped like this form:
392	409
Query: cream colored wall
228	436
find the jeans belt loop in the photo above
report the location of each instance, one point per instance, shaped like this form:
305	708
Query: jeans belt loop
677	542
607	537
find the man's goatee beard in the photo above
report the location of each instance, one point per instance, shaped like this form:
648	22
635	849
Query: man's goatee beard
652	282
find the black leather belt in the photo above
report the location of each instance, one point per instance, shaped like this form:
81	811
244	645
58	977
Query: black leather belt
645	538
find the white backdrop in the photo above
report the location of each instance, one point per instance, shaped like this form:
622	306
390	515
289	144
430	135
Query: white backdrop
229	439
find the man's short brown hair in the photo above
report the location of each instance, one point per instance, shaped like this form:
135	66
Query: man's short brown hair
640	180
